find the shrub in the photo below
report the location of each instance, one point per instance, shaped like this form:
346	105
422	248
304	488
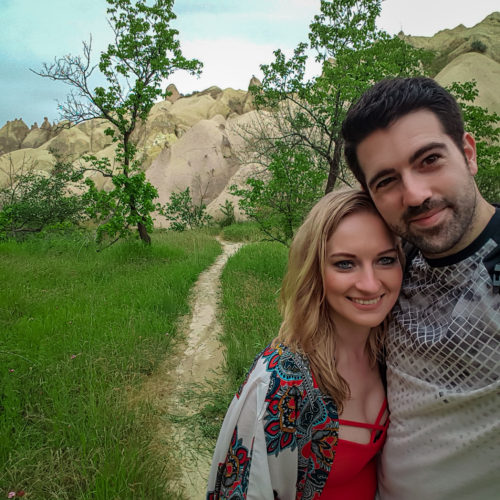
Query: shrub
228	212
478	46
183	213
33	200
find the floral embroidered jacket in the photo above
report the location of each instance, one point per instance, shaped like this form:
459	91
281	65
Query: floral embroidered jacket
279	435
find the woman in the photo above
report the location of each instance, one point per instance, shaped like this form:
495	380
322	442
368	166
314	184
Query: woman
312	414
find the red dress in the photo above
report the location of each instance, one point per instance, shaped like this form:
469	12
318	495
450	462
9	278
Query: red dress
354	472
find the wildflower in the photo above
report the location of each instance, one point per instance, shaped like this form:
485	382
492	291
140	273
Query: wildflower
73	356
11	370
11	494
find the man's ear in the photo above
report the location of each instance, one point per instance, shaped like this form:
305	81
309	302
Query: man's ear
469	145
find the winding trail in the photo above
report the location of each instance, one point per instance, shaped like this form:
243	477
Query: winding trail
196	361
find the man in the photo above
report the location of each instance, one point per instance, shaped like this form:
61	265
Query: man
405	143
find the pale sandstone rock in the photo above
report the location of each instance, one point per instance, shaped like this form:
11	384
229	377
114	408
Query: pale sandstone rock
233	99
94	130
100	181
452	43
239	179
254	82
40	160
174	93
212	91
481	68
198	160
190	110
12	134
71	143
46	124
36	137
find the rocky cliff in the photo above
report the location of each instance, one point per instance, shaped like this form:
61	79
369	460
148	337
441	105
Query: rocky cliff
194	141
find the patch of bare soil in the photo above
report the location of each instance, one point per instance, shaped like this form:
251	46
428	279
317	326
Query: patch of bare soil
196	362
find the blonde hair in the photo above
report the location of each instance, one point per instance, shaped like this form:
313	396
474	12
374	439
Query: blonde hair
307	324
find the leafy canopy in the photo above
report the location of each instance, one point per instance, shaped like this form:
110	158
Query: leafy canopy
145	52
299	143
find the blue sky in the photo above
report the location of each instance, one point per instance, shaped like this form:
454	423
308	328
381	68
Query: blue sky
231	37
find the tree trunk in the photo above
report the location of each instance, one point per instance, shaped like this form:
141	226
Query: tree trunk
334	163
143	234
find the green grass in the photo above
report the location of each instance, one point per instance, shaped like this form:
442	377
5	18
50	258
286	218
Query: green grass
79	331
251	282
242	231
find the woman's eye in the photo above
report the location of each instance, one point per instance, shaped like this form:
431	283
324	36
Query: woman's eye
387	261
344	265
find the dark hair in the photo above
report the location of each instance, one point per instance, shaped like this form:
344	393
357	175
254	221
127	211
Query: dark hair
391	99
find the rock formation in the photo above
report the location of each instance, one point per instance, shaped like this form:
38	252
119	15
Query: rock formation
195	140
480	67
12	135
484	37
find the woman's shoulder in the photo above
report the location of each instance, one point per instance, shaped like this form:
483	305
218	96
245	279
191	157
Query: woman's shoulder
277	364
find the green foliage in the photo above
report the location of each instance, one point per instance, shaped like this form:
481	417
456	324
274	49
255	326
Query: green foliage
485	128
72	422
478	46
183	213
279	198
301	146
129	203
228	212
353	54
32	200
145	52
242	231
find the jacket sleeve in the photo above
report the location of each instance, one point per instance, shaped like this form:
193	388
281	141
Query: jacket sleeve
242	465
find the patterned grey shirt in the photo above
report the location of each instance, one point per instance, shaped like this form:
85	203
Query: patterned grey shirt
443	360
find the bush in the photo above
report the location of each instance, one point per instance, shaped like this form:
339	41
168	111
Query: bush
182	213
228	212
478	46
34	200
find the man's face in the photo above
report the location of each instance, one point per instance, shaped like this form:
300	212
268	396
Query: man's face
421	183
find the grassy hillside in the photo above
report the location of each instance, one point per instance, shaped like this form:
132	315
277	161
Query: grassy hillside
80	330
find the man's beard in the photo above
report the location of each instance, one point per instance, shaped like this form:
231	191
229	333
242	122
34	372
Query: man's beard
443	237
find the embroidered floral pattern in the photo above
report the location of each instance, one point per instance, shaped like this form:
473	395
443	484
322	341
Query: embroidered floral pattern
295	416
300	416
232	477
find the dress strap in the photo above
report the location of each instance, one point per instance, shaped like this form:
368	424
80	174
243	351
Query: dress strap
364	425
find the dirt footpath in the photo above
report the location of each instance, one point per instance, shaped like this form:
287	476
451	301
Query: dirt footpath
195	362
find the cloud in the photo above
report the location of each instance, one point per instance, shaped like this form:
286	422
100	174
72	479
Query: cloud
228	62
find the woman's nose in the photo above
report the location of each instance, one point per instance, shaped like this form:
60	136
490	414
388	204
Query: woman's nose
368	281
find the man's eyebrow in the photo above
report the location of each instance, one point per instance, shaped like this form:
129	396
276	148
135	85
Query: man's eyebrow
419	152
424	149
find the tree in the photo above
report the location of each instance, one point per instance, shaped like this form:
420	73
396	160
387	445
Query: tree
144	53
353	54
279	197
182	213
485	129
31	200
300	129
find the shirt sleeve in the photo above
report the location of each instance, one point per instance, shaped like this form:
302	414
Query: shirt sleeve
242	466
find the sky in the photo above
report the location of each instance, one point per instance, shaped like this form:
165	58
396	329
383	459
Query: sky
231	37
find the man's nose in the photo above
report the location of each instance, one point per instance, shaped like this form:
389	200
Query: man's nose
416	190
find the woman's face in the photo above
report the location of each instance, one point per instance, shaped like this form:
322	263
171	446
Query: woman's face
362	274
